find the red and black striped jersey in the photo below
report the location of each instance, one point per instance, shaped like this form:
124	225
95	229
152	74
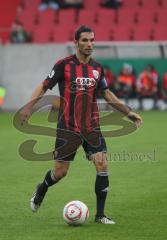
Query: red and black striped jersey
78	85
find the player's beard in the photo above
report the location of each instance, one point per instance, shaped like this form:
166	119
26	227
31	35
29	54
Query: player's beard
86	53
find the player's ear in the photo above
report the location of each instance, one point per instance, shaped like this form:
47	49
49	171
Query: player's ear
76	42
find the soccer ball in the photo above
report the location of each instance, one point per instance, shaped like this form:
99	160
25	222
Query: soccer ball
75	213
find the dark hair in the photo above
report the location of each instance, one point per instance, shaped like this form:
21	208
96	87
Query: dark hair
150	67
82	29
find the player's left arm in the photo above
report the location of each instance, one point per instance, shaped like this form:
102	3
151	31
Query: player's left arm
112	99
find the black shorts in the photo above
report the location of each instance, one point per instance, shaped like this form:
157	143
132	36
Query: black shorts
68	142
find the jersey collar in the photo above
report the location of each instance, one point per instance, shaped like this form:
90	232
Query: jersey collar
78	62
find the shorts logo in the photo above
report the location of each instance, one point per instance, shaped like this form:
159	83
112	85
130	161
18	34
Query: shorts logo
83	83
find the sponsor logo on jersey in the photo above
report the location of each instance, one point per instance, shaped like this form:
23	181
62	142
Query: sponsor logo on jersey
82	83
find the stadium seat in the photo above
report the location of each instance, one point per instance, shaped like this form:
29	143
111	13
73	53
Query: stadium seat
163	3
47	17
103	33
162	17
63	33
66	16
123	33
135	20
87	17
146	16
131	4
153	4
28	22
6	18
160	33
42	35
143	33
91	5
126	16
31	4
4	37
105	17
9	5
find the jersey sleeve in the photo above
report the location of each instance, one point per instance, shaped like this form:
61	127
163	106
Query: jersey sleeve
102	85
54	76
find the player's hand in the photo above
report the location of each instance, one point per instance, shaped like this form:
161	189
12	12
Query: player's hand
134	117
25	115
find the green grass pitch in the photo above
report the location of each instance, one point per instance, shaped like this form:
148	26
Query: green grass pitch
137	199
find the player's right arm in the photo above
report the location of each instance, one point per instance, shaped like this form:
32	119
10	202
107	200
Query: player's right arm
26	111
51	80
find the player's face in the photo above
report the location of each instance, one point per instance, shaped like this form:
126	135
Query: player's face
85	44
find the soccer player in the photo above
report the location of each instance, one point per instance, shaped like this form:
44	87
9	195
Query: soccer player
78	77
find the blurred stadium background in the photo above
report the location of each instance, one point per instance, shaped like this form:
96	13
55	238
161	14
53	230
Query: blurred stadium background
134	33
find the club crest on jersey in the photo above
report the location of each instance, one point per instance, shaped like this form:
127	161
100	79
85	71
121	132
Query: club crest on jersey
95	74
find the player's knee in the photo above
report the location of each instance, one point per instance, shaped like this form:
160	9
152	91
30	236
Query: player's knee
60	172
64	173
102	166
100	161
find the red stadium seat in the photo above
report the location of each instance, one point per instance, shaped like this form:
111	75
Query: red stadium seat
105	17
162	17
146	16
163	4
42	35
123	33
9	5
153	4
47	17
91	5
125	16
6	18
63	33
4	37
31	4
67	16
103	33
28	19
160	33
135	20
143	33
132	4
87	17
